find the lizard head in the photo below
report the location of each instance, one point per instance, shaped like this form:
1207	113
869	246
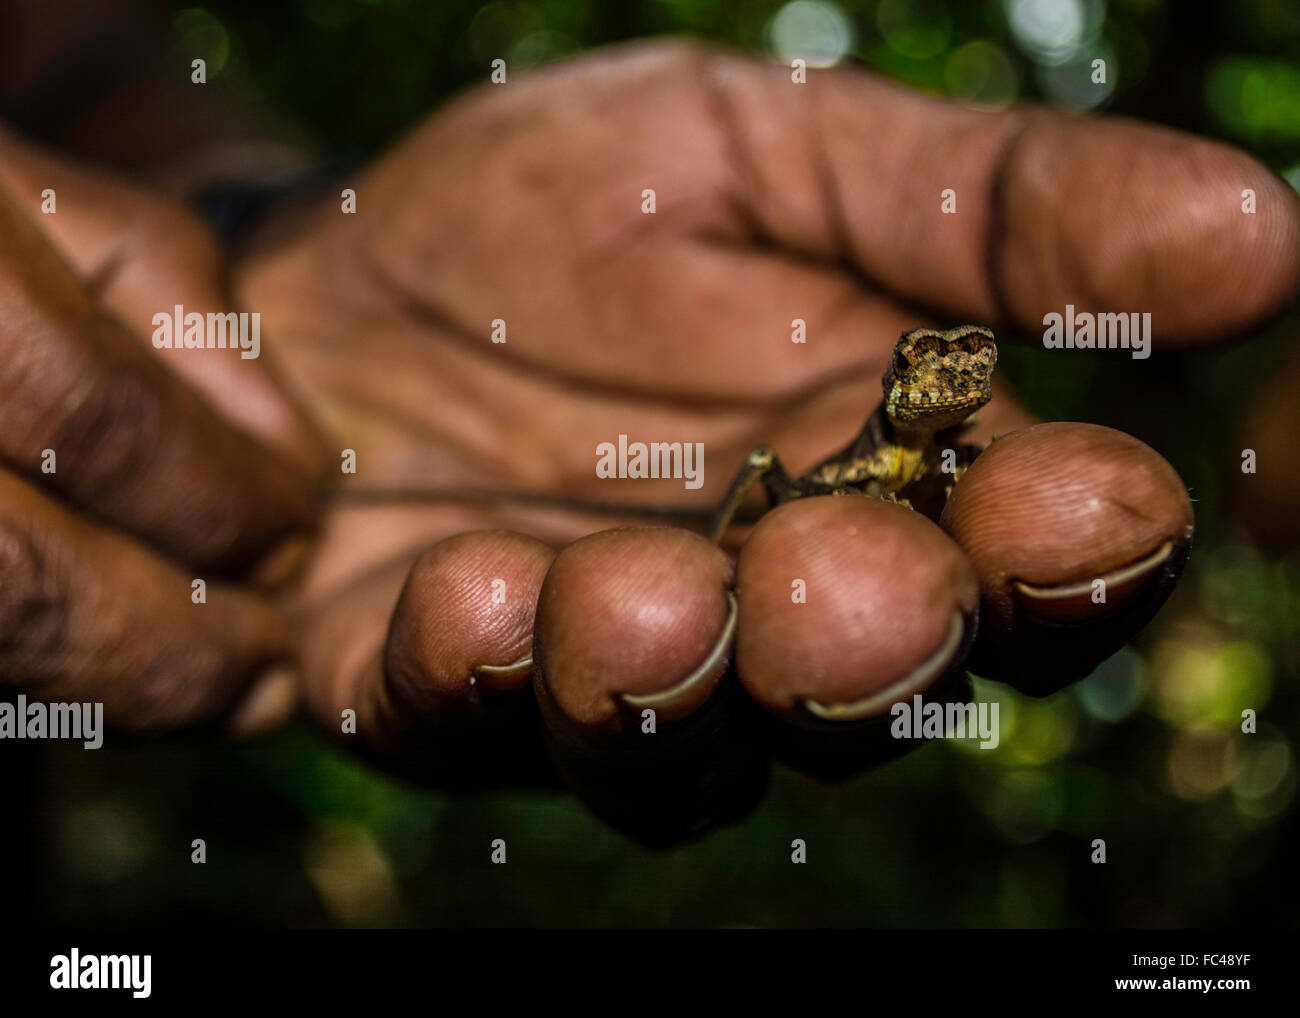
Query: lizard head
935	380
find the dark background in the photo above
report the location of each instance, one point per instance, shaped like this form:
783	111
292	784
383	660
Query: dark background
1199	819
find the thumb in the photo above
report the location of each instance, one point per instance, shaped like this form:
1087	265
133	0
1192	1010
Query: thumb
1046	209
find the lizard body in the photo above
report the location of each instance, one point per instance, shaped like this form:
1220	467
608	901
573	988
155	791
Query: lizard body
934	384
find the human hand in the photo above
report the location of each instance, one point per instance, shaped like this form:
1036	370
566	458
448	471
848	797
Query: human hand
127	472
775	201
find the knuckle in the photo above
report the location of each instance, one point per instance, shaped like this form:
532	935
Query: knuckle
113	431
31	607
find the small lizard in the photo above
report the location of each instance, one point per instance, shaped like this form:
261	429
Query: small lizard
934	384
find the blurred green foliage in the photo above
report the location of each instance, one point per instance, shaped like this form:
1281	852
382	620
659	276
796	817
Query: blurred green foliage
1199	820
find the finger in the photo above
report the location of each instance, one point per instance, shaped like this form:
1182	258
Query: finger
142	255
87	615
1051	209
631	652
463	628
346	603
1078	534
671	587
431	664
86	411
848	606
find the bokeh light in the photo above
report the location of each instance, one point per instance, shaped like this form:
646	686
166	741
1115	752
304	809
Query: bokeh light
1054	31
981	74
1045	730
352	874
1115	689
814	31
538	47
1201	763
1265	781
105	841
1255	97
1199	680
1083	82
199	33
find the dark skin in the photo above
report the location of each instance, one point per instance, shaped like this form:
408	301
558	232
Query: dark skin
153	485
775	201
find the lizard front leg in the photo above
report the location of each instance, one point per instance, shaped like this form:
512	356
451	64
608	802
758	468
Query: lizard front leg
760	465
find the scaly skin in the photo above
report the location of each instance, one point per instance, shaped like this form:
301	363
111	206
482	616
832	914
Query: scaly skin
934	384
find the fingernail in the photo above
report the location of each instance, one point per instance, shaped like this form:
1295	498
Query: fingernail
1090	599
681	699
915	681
503	678
269	701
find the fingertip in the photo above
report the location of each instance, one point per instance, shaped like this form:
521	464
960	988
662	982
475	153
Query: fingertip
393	663
1077	533
631	618
847	604
464	622
633	647
1197	233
